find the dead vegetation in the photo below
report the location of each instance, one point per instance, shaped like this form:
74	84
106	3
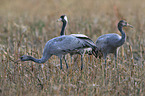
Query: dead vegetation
26	29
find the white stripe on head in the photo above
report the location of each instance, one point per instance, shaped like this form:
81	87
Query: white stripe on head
65	18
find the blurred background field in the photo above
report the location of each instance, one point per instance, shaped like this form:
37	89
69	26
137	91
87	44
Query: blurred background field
26	25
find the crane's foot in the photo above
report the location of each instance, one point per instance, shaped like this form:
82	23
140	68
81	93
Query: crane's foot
66	66
81	68
60	67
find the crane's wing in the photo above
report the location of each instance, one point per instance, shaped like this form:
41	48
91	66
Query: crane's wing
87	41
65	44
83	37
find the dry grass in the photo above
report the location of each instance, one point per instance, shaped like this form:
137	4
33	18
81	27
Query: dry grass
26	25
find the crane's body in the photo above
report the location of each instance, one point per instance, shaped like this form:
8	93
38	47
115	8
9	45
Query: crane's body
60	46
64	44
105	45
64	20
110	43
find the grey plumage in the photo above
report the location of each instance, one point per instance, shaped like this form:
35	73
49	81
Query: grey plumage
60	46
110	43
64	20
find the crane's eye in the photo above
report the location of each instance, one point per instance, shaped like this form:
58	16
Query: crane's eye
21	57
125	23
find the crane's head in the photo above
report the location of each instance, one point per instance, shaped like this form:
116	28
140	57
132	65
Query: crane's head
123	23
25	58
63	18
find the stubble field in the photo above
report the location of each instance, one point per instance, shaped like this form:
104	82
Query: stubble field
25	27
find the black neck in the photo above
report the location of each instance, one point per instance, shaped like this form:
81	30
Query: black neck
121	31
123	37
63	28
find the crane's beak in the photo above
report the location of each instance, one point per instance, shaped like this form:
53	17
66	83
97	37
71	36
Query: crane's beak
129	25
59	19
18	60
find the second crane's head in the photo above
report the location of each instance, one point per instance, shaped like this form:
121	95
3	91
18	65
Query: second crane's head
123	23
63	18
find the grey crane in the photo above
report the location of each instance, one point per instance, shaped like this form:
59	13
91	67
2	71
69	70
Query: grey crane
110	43
60	46
64	20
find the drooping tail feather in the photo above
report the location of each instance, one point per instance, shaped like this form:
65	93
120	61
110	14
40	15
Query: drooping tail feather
89	42
93	46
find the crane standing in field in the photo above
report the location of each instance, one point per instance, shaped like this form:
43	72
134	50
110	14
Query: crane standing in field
110	43
64	20
62	45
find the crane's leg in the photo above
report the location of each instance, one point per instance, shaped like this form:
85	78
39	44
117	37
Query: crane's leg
82	55
115	58
71	58
81	61
65	62
71	54
105	63
105	56
105	69
116	66
60	63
